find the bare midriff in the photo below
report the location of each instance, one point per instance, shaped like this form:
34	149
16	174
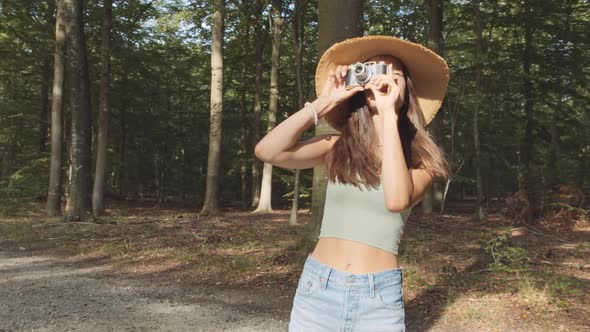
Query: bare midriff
352	256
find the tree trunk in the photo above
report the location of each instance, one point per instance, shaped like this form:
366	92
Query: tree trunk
348	24
298	46
434	195
244	147
54	192
526	143
44	102
295	204
256	163
123	128
264	205
454	108
298	37
211	205
79	200
103	112
553	171
480	211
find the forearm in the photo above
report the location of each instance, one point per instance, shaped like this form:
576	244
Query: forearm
288	132
397	181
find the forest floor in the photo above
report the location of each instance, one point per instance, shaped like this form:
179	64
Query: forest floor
165	268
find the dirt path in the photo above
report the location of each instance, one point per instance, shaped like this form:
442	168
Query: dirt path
173	272
39	293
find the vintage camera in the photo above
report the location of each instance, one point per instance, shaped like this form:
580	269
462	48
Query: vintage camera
363	73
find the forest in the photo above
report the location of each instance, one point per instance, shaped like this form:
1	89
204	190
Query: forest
127	132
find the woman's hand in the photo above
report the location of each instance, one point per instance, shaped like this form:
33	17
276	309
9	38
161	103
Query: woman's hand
334	88
387	92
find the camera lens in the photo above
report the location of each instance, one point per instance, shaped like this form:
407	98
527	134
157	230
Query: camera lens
359	69
361	72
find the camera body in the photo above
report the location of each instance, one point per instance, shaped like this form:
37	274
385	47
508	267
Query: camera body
362	73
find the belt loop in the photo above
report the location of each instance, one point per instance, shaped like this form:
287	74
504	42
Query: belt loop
371	285
324	276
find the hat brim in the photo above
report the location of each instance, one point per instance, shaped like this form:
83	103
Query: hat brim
429	71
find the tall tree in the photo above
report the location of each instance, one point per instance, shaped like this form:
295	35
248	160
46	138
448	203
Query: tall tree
79	200
44	102
54	193
527	86
211	205
266	188
298	47
103	111
244	38
480	212
434	195
157	85
122	144
338	20
260	33
564	81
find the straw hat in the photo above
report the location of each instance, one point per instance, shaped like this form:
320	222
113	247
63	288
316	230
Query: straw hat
429	72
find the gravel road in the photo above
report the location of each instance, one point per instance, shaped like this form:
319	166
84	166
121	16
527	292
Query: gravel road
40	293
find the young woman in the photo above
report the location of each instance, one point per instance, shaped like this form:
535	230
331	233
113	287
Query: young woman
379	167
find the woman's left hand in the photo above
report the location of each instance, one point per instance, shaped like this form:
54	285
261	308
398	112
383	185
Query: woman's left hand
387	92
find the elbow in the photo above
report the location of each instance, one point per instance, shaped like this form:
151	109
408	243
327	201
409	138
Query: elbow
398	206
259	153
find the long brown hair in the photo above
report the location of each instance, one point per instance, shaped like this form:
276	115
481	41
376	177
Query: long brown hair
353	160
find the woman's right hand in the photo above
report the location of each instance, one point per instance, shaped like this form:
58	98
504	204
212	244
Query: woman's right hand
334	88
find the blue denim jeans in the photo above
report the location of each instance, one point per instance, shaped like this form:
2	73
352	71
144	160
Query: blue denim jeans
328	299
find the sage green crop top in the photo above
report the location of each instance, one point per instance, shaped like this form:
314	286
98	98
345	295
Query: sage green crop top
360	215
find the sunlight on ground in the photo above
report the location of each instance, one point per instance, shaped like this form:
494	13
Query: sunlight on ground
458	275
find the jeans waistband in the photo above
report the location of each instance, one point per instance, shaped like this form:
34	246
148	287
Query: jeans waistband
332	275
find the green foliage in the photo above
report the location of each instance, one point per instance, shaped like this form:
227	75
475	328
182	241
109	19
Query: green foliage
303	193
566	286
24	186
406	19
505	256
459	179
159	107
580	211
